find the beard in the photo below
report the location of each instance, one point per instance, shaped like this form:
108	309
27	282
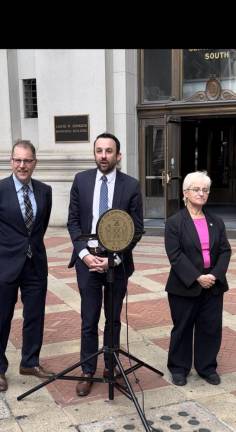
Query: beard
106	167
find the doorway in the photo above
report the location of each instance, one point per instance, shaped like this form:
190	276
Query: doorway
209	144
159	168
171	147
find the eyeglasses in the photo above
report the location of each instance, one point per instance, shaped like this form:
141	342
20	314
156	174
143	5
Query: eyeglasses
24	161
197	190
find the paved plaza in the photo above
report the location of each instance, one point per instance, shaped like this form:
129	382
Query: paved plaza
196	407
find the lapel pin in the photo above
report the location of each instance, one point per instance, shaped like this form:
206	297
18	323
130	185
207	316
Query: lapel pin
211	224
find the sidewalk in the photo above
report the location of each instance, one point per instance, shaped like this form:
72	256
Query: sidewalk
196	407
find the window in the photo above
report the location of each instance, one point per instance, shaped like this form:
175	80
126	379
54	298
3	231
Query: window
30	98
199	65
157	74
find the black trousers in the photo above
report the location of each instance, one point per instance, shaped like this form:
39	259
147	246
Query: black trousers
197	332
93	289
33	296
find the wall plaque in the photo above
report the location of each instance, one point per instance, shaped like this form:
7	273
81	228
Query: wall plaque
71	128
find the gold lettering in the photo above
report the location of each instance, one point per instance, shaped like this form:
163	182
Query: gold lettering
217	55
60	126
80	125
198	49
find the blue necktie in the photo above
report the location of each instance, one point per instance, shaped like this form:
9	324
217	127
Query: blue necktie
103	201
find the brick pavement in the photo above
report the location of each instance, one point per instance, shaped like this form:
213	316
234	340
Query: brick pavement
149	322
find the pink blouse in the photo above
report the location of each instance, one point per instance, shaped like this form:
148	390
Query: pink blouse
202	229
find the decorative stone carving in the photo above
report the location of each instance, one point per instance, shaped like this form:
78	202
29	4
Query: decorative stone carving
213	92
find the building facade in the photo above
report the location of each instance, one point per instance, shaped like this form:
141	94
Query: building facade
42	87
174	111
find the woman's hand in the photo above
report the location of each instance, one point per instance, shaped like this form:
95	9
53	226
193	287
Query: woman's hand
206	281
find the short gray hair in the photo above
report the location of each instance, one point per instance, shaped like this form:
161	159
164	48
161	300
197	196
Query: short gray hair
25	144
192	177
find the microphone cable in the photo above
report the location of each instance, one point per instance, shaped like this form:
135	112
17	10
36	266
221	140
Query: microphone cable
137	381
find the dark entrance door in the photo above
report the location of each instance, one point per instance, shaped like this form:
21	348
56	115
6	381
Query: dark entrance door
160	177
210	144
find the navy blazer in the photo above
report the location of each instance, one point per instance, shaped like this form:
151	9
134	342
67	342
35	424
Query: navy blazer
14	237
127	196
185	255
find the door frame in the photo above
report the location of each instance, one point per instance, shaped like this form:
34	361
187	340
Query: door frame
158	122
170	177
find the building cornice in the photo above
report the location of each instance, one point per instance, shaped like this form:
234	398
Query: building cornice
51	167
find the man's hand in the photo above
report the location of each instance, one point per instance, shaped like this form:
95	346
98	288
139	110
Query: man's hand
206	281
95	263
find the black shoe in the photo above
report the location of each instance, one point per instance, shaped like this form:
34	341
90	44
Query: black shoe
179	379
213	378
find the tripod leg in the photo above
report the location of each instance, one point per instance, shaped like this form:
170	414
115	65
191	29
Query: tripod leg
59	375
130	356
111	377
133	397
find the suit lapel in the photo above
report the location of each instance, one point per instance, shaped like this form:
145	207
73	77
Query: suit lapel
39	201
89	196
118	190
14	206
211	229
191	230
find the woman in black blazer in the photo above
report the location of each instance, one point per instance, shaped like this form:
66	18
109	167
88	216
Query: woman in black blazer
199	254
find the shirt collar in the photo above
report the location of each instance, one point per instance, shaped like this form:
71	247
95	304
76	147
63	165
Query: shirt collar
18	184
110	177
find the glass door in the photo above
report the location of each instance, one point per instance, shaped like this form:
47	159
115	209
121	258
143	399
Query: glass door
159	167
152	166
173	193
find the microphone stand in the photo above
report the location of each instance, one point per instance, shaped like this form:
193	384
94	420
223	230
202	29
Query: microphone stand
113	355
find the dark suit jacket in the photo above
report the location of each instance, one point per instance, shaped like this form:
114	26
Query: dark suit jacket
14	238
127	196
184	252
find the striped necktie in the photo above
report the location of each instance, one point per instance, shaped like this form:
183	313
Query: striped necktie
29	217
103	200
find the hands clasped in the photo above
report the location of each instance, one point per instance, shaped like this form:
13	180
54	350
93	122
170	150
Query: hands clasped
206	281
96	263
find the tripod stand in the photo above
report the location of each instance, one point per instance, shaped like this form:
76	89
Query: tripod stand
113	358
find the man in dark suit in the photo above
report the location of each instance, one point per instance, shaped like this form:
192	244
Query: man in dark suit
90	260
25	207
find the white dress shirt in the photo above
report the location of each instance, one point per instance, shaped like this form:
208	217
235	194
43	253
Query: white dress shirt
19	191
111	178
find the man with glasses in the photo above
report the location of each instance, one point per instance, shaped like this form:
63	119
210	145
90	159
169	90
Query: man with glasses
25	207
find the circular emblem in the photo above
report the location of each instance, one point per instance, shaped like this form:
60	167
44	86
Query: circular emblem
115	230
213	89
